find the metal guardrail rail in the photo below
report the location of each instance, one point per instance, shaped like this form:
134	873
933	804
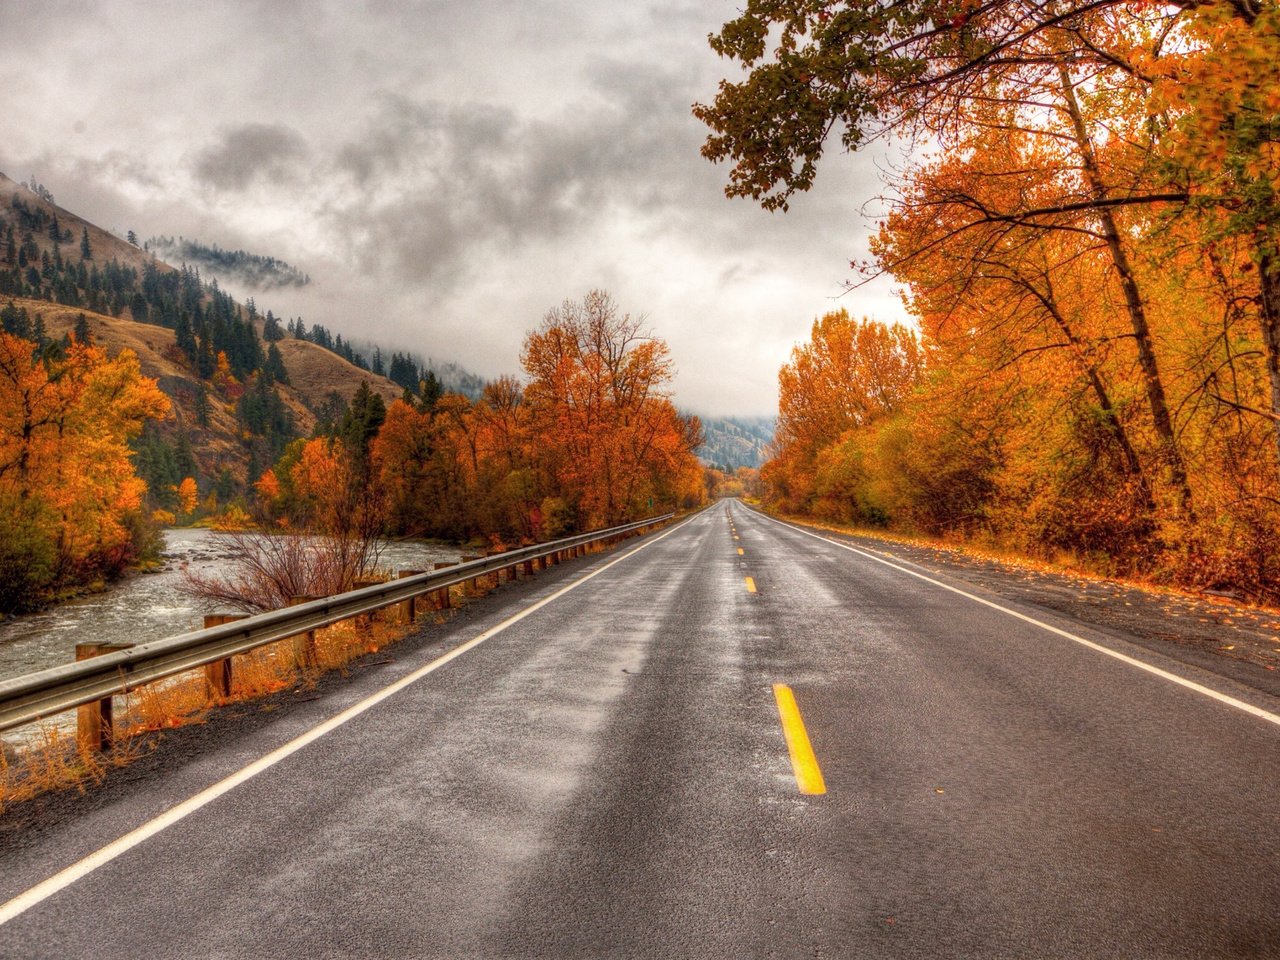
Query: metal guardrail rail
36	696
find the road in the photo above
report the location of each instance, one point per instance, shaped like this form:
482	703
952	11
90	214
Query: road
606	775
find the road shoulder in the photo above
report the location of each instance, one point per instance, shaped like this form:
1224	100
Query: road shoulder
1230	639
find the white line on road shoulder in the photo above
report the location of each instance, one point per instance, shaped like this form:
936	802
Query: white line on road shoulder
1165	674
64	878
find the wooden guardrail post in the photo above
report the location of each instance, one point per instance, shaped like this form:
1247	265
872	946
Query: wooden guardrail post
306	652
364	621
409	608
95	723
472	587
442	595
218	673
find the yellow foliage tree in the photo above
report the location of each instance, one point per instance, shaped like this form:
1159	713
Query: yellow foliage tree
65	463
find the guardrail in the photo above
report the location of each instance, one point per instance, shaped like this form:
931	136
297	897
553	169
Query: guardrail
95	680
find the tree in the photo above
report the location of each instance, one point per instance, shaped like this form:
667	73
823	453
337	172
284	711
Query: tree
1186	83
360	424
271	331
429	389
612	439
202	405
1016	293
849	375
275	365
86	249
188	496
65	462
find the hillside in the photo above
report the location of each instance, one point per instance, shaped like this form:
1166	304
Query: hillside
117	286
314	374
104	245
733	442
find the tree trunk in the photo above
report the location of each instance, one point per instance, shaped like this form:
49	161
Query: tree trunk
1269	278
1084	358
1153	386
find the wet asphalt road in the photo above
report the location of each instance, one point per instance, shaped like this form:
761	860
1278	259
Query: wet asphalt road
608	777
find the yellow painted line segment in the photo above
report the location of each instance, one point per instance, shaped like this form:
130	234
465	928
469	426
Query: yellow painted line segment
740	551
803	761
751	585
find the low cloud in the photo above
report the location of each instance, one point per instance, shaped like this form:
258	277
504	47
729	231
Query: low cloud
438	189
248	153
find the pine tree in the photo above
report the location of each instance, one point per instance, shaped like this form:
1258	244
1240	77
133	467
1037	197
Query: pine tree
271	328
361	423
275	365
86	250
205	362
430	390
185	336
138	308
202	405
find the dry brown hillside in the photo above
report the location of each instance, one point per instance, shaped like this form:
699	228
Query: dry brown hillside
313	371
105	245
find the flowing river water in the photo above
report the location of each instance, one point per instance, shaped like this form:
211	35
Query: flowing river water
152	606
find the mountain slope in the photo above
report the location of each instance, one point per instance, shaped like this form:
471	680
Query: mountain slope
314	374
733	442
113	287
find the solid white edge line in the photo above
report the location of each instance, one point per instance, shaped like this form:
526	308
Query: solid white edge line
1164	674
104	855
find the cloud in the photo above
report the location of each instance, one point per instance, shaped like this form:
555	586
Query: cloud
251	152
438	189
445	172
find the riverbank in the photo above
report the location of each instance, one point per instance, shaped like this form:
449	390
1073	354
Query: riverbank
152	605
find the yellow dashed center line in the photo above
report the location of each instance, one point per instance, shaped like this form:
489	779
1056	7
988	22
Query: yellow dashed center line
751	585
803	762
739	551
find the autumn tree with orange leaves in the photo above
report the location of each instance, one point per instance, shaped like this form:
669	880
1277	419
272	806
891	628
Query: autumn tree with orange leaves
847	377
611	441
70	500
1092	255
590	439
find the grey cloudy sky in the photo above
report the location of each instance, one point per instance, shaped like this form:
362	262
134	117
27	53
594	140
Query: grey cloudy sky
444	171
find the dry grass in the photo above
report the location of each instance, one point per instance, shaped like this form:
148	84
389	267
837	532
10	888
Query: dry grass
1062	562
315	371
53	760
168	703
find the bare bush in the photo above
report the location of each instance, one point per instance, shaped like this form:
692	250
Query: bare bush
271	569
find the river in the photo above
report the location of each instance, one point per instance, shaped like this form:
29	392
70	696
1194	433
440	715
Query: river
152	606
